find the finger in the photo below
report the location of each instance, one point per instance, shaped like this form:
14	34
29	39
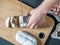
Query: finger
35	26
32	26
28	14
29	24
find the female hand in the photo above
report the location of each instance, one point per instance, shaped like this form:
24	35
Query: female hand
36	18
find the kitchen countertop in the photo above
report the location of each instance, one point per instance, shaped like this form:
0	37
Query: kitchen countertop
12	8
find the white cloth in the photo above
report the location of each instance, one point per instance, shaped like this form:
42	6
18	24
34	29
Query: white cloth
25	38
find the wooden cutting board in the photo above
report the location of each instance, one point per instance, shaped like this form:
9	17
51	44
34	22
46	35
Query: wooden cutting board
13	8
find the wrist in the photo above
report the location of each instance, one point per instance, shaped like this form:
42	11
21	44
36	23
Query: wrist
41	10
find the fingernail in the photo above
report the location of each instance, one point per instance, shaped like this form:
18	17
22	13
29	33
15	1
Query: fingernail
27	25
32	26
36	27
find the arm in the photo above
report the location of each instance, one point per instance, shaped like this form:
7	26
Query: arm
47	5
39	13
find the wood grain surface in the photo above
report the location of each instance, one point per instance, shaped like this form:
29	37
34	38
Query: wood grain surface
13	8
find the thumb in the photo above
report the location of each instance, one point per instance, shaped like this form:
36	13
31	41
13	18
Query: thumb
28	14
